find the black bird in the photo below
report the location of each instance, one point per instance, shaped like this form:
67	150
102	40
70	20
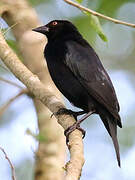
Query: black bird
79	74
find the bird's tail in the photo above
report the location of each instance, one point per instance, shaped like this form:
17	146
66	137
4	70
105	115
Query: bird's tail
111	126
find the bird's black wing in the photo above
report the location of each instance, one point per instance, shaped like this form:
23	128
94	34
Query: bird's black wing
86	66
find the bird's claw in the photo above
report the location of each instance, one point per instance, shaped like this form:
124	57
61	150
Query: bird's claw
62	111
76	125
65	111
71	129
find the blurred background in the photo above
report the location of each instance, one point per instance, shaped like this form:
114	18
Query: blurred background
117	55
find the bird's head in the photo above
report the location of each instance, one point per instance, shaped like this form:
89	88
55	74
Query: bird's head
55	28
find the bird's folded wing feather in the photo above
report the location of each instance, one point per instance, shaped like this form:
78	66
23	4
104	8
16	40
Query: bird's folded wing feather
86	66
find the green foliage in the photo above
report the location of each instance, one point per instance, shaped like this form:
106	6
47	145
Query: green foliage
37	2
83	24
39	137
95	24
4	30
13	45
79	1
110	7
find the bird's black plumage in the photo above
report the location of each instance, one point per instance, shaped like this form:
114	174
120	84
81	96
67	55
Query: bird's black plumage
78	73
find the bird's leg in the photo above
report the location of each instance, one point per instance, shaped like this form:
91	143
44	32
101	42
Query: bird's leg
76	125
63	111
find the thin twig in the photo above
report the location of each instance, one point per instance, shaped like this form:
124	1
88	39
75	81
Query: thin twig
37	88
10	82
5	106
10	163
9	28
1	66
82	8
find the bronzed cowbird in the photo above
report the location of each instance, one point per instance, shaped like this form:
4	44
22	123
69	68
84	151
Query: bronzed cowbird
79	74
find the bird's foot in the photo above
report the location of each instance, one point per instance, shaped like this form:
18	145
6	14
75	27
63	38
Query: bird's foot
69	130
76	125
65	111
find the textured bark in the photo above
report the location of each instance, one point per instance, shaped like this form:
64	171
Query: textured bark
50	159
34	44
37	88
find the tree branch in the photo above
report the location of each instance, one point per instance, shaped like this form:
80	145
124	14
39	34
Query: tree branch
35	86
5	106
82	8
10	163
10	82
24	17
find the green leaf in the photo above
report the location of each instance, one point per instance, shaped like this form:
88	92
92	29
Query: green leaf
37	2
79	1
39	137
4	30
110	8
94	22
14	46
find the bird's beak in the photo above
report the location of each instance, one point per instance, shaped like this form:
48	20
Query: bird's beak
41	29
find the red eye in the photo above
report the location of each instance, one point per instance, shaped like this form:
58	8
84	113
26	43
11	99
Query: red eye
54	23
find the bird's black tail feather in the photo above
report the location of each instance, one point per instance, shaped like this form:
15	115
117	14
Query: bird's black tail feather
111	127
